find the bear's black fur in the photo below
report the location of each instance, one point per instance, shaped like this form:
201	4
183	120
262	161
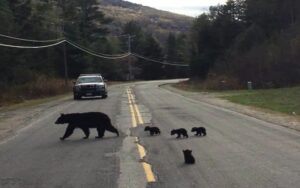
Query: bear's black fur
200	131
153	130
188	157
85	121
180	132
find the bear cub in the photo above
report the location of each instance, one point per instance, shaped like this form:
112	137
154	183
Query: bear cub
180	132
200	131
153	130
85	121
188	157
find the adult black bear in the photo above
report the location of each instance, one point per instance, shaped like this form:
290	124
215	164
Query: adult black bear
85	121
153	130
200	131
188	157
180	132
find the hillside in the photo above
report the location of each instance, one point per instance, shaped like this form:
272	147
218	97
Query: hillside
158	22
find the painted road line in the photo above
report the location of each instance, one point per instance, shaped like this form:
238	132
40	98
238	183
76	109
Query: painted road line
131	98
133	119
139	117
147	167
141	149
138	114
135	113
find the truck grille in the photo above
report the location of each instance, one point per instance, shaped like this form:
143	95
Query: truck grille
88	87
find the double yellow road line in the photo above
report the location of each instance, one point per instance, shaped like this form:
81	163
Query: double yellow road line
137	119
135	113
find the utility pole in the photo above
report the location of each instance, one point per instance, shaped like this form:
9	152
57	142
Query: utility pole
65	64
129	58
64	44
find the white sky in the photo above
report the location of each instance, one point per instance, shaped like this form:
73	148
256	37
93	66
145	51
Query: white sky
187	7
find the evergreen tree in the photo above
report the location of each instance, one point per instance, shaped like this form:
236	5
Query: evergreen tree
91	21
152	70
134	30
7	19
204	44
171	56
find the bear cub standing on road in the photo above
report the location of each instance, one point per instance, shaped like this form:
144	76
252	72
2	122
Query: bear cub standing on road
153	130
180	132
85	121
200	131
188	157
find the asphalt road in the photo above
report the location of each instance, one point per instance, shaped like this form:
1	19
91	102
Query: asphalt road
238	151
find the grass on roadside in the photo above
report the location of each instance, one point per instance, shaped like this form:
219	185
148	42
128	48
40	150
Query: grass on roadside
286	100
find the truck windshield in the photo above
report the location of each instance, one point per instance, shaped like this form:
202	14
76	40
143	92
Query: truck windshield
89	79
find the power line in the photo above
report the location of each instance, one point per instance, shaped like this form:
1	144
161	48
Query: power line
32	47
156	61
69	42
90	51
104	37
31	40
120	56
105	56
108	55
60	41
101	55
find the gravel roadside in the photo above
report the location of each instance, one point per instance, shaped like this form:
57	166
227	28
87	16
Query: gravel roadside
14	118
289	121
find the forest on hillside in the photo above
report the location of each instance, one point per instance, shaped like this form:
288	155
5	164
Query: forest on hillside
159	22
248	40
84	24
240	41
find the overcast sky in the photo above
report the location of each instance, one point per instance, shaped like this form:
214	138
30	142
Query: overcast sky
187	7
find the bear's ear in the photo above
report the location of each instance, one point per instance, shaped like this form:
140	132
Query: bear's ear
62	114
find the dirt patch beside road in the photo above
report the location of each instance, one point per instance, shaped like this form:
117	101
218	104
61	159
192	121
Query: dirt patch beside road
16	117
289	121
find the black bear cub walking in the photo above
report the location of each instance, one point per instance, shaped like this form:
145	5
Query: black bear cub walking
188	157
85	121
200	131
180	132
153	130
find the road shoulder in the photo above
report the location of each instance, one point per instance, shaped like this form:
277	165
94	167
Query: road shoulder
13	118
281	119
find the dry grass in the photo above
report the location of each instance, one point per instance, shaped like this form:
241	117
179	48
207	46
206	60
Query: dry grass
41	88
213	83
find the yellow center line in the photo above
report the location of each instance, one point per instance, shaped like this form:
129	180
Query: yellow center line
136	111
138	114
135	114
133	118
141	149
